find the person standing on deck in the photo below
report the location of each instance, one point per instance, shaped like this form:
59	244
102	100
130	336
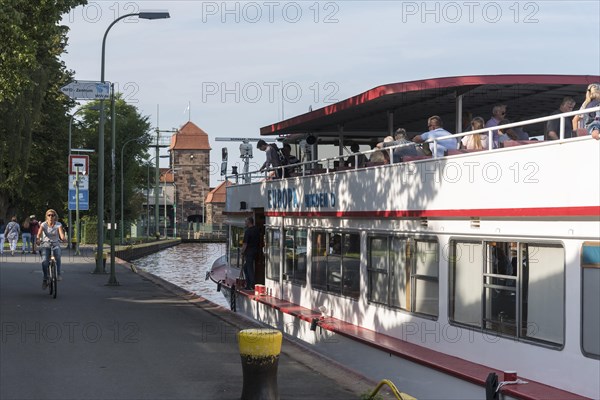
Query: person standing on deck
250	249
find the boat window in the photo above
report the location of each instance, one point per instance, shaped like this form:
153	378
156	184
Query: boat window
235	247
295	255
425	276
512	288
319	260
273	253
590	298
378	265
466	287
335	263
403	273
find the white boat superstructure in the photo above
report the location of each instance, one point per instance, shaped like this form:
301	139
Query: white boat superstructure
487	259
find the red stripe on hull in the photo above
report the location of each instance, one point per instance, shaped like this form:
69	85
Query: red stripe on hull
591	211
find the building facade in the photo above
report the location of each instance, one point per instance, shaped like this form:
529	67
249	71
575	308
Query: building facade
190	161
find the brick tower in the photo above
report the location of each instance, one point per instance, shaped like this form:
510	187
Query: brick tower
190	158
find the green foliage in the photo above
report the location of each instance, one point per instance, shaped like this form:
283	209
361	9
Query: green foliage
35	115
31	107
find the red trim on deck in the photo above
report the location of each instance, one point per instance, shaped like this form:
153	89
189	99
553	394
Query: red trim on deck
463	369
589	211
437	83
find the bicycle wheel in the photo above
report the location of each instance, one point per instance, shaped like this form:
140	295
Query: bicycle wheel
53	279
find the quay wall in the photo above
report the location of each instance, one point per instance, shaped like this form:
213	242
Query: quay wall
130	253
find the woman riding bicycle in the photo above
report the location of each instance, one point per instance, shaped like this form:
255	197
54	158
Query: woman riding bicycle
50	235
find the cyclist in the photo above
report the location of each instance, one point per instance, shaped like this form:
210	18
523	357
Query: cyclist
50	235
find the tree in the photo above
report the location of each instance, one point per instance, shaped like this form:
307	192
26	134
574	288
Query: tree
32	111
130	126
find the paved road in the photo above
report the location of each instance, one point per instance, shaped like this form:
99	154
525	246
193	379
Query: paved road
143	339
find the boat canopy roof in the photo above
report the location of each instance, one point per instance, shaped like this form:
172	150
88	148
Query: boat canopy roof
409	104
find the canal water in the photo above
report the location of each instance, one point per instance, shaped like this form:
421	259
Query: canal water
186	266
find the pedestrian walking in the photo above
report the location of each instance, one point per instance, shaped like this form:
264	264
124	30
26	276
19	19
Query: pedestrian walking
35	227
26	235
11	233
2	226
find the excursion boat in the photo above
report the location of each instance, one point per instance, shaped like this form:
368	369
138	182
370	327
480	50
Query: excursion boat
463	275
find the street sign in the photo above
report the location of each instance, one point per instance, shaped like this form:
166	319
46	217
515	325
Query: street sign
87	90
84	182
82	161
84	200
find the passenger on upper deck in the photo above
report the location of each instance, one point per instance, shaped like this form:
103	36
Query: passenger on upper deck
475	141
291	159
272	157
410	149
435	124
506	133
553	126
498	113
359	159
590	121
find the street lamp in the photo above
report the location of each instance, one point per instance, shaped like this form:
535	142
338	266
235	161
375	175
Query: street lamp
122	152
112	280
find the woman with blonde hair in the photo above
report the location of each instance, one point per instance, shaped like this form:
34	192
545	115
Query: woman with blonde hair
590	121
475	141
50	235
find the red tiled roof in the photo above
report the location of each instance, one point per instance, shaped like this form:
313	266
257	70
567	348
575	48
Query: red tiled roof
166	175
218	194
189	137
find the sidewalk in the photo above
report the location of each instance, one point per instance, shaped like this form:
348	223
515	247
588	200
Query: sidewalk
143	339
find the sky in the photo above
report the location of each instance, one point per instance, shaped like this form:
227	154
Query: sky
233	67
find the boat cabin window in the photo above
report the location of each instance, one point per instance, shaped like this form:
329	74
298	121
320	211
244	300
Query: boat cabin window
236	239
273	256
512	288
590	298
335	263
403	273
295	255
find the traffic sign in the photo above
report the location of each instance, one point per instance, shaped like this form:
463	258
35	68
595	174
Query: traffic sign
84	200
87	90
84	182
82	161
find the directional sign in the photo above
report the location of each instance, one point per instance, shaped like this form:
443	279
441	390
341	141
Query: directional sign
83	162
87	90
84	182
84	200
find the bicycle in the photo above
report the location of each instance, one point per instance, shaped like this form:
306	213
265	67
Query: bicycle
52	275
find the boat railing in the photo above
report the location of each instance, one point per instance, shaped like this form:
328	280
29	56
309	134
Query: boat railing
337	163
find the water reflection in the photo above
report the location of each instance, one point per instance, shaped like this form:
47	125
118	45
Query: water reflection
186	266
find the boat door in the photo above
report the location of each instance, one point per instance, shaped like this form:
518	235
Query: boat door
259	266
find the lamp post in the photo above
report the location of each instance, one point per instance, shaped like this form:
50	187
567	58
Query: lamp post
99	255
122	209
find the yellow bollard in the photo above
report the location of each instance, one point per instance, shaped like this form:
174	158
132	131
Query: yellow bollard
259	349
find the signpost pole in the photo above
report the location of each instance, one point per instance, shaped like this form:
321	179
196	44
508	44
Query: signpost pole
78	235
